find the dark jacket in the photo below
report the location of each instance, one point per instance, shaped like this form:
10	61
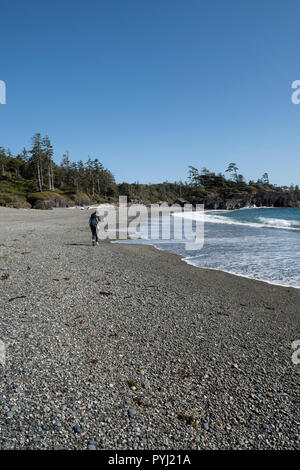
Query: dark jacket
94	220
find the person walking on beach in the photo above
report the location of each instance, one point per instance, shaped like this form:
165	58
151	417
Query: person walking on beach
94	220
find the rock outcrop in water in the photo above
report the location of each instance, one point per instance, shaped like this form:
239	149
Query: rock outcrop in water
229	201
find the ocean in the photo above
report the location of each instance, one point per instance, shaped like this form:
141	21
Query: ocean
259	243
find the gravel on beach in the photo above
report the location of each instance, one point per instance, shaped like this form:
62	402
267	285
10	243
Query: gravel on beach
123	346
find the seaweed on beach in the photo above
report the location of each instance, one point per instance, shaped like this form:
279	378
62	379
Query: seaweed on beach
188	373
5	276
132	383
18	297
189	420
139	401
224	314
113	335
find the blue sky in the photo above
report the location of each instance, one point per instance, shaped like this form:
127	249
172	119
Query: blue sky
152	86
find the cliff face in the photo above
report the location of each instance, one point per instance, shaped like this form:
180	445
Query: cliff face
239	200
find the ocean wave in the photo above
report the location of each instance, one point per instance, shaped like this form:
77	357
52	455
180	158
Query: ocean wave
282	224
267	222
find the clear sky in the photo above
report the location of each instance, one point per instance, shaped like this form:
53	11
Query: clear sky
152	86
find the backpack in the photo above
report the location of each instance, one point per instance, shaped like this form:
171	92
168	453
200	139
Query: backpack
94	221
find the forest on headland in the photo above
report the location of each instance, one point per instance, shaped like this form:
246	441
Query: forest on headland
31	179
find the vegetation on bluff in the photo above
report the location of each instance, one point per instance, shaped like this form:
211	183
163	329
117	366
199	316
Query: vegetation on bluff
33	179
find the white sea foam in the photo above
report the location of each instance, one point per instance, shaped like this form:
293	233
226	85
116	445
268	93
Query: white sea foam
264	222
268	222
285	283
282	223
261	256
246	248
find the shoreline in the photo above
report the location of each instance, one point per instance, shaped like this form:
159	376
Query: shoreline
125	346
15	215
244	276
185	260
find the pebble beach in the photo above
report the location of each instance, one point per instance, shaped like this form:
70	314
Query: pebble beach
122	346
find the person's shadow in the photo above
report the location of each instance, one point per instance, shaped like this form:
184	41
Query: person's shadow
78	244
